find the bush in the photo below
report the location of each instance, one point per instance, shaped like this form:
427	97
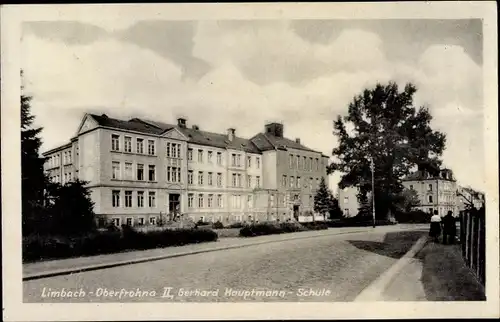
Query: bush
270	228
38	247
315	225
358	221
236	225
415	216
217	225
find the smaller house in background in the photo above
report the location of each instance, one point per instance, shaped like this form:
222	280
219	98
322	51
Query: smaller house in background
348	201
469	198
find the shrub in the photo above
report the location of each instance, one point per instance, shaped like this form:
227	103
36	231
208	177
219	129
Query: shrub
38	247
315	225
358	221
415	216
236	225
270	228
217	225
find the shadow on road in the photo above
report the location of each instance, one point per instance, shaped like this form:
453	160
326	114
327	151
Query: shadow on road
394	245
445	276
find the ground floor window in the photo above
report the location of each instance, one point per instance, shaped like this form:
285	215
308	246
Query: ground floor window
129	221
101	222
140	221
152	220
115	221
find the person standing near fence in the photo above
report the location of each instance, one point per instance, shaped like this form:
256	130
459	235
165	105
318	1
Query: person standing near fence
435	229
449	228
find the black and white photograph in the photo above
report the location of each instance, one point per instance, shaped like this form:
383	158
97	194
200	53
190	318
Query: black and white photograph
250	161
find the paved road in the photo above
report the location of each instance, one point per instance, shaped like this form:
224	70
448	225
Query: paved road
336	268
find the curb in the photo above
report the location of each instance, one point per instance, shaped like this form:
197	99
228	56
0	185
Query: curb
373	292
68	271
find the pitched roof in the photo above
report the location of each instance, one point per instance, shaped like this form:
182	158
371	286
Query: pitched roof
266	141
194	136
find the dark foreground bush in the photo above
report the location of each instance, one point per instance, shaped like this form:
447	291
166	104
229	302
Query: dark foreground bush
358	222
414	217
217	225
49	247
270	228
316	225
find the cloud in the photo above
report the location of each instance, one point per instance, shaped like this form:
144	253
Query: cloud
259	71
69	32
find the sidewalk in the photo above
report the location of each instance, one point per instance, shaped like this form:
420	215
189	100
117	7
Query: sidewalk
79	264
436	273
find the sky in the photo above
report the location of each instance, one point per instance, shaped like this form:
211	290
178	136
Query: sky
244	73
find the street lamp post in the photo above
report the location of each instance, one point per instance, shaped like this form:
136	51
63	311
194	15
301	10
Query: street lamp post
372	167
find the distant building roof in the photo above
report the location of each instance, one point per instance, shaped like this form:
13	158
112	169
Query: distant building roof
444	174
266	141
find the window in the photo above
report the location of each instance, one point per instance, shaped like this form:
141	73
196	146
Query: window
190	200
219	179
292	182
140	199
316	164
140	146
115	221
210	201
240	182
290	160
346	199
151	147
116	198
310	165
200	155
233	160
430	187
190	154
152	220
128	199
257	162
219	201
140	221
249	181
173	150
411	187
129	221
238	160
190	177
210	179
304	163
429	198
152	199
219	158
200	178
234	180
128	144
298	182
200	201
298	162
174	174
140	172
209	156
283	181
249	161
116	170
271	200
152	173
115	142
257	182
128	171
346	212
249	201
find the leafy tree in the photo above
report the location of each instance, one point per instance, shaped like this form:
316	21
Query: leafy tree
33	178
71	210
322	199
407	200
387	128
335	211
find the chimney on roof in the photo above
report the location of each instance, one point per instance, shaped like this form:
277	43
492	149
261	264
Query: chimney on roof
196	127
275	129
297	140
181	122
231	133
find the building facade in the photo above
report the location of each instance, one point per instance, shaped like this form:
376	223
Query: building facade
348	201
434	192
142	172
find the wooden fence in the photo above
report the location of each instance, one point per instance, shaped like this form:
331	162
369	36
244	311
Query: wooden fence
473	241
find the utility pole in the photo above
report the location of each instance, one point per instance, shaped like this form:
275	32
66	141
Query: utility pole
372	167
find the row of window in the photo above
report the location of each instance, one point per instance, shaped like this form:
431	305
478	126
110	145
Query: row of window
303	163
67	177
236	160
129	199
128	173
296	182
55	160
201	201
129	221
127	145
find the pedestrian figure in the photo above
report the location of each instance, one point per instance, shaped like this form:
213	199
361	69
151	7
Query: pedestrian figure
449	228
435	230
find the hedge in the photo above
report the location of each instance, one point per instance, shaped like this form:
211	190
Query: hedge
271	228
416	216
38	247
358	222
